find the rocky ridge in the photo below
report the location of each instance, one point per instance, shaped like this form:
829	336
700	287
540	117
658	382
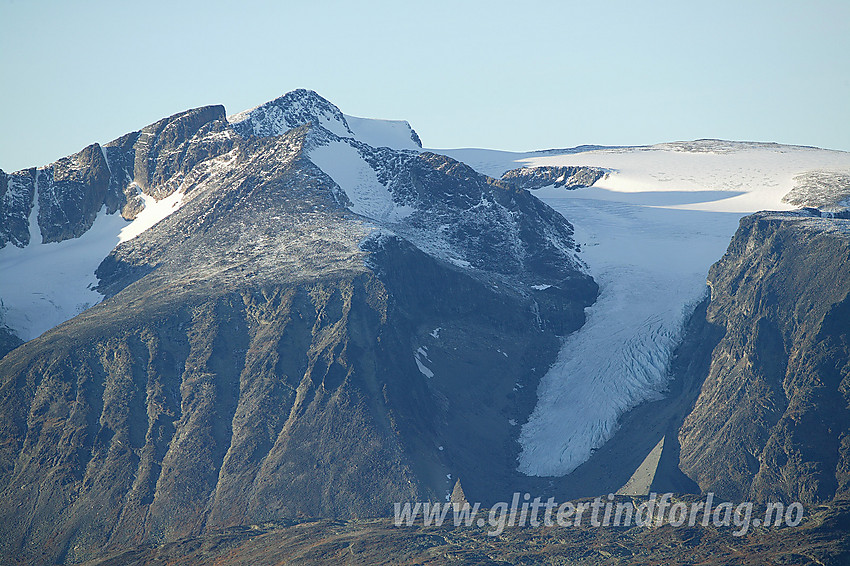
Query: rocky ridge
530	178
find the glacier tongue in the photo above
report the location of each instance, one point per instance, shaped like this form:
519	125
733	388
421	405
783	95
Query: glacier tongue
649	231
650	273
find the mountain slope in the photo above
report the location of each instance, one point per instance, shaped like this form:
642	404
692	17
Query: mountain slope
264	352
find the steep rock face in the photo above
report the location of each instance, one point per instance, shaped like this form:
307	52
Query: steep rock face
121	158
71	192
68	195
8	340
17	192
772	419
265	354
169	147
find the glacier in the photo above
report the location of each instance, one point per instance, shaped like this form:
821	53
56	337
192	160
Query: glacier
649	231
43	285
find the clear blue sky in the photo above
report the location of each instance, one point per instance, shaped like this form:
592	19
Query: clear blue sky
504	75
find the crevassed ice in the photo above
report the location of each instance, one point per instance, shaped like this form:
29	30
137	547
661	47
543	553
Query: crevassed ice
648	232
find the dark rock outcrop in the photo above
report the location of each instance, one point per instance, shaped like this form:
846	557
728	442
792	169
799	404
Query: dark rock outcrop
73	190
171	147
8	340
17	191
569	178
70	194
826	190
489	226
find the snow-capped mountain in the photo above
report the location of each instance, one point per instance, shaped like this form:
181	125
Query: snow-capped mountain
300	107
293	312
273	304
58	235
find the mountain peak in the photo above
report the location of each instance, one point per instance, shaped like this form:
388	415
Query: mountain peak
289	111
303	106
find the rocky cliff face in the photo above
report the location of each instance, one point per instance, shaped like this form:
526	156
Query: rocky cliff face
773	418
71	192
68	194
16	198
166	150
266	353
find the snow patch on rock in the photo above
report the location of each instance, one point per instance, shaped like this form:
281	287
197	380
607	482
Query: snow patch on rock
369	197
418	356
154	211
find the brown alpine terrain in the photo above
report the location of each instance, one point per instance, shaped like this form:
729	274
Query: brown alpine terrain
821	540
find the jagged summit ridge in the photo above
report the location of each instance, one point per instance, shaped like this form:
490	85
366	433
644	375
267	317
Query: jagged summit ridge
113	192
153	162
